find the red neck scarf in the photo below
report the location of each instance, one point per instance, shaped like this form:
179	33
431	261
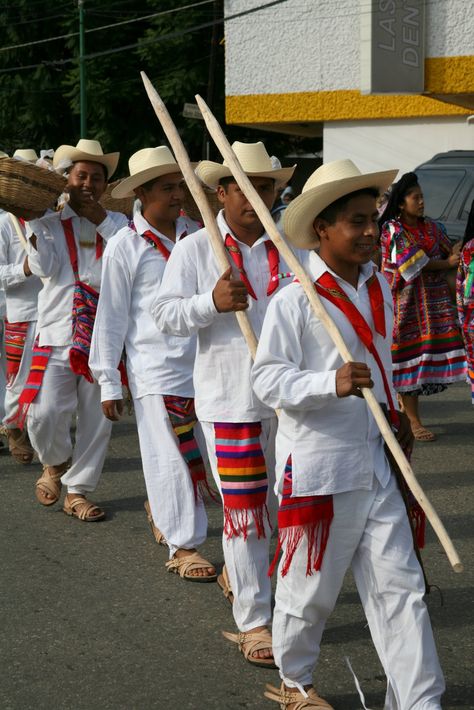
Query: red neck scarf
273	263
328	287
156	242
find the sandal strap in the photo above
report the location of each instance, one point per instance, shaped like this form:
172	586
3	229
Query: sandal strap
21	444
296	699
82	508
157	534
50	482
224	583
189	563
250	641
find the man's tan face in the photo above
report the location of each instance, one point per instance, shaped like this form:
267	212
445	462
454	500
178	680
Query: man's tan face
86	181
238	209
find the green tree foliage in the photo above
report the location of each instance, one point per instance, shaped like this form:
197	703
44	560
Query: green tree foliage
40	105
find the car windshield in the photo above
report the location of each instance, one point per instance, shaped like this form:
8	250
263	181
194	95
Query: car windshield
438	188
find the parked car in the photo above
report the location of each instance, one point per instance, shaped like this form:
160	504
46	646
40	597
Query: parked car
447	181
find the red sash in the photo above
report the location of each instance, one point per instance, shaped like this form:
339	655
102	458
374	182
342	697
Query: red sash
273	257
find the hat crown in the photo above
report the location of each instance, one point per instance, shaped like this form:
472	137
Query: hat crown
89	146
151	158
253	157
330	172
26	154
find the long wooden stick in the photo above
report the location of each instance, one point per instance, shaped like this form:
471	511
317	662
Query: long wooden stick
200	198
269	225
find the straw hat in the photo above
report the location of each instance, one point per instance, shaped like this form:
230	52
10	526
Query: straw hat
86	150
26	154
326	185
254	160
144	165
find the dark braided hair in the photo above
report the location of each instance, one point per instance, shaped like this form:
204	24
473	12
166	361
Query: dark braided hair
469	233
398	193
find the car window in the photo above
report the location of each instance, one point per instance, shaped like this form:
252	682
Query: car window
467	206
438	188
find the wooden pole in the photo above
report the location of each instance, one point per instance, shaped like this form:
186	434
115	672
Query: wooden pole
264	215
200	198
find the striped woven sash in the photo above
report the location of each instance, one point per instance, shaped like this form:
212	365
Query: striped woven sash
243	476
39	362
14	339
183	419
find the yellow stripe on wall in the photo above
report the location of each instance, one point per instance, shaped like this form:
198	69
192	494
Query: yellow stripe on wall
443	75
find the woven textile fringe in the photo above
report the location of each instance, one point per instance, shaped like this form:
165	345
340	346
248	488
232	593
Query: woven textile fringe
14	339
243	475
33	383
302	517
183	420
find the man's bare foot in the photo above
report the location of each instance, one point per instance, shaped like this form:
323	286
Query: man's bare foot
202	571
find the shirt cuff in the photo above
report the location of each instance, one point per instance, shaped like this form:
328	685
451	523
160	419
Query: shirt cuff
110	391
325	384
107	228
206	306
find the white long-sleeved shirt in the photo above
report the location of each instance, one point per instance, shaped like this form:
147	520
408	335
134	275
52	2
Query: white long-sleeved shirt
131	273
334	442
184	306
21	291
51	260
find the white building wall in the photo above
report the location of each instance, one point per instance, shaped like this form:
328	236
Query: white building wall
381	145
313	45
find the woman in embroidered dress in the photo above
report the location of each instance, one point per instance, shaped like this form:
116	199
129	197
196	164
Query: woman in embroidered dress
427	350
465	295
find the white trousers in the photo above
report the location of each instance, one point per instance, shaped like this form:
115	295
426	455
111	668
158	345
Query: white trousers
371	534
15	388
181	519
49	421
247	560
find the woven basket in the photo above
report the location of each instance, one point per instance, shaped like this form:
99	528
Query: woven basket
25	186
123	204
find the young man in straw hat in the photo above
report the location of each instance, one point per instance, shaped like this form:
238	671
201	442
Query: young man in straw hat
66	249
340	504
239	431
160	367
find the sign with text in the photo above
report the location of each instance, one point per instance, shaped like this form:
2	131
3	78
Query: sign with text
392	46
192	111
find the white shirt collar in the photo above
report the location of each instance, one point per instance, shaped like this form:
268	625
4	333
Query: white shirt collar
142	226
317	267
225	229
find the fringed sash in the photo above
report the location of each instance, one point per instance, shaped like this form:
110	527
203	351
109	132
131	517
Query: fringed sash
14	339
39	361
84	308
311	516
183	419
243	476
298	517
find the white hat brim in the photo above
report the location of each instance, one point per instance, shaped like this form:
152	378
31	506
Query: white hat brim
128	185
70	152
211	173
300	214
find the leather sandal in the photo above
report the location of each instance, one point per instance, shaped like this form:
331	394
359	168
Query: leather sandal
20	447
83	509
251	641
421	433
183	565
295	700
157	534
50	483
224	583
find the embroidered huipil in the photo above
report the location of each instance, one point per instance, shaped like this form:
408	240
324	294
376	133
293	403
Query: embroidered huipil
184	306
51	260
465	305
132	272
21	291
334	442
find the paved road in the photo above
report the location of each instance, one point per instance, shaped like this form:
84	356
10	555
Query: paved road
90	619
